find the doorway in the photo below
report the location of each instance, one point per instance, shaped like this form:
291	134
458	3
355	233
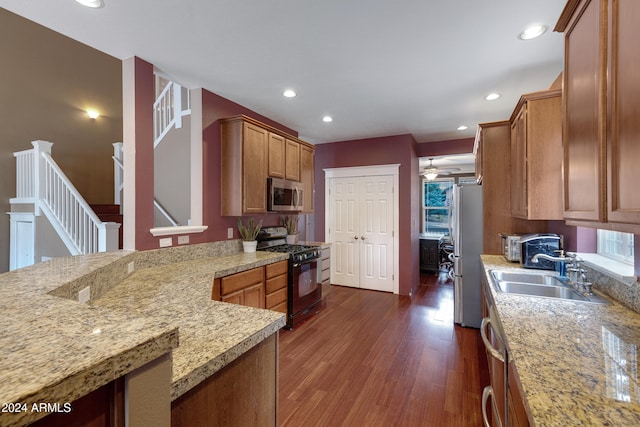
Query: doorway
361	223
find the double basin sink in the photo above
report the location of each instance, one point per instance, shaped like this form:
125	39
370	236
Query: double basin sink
538	284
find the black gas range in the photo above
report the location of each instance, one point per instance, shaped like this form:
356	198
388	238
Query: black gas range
304	292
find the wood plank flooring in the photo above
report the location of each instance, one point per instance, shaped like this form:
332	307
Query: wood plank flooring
377	359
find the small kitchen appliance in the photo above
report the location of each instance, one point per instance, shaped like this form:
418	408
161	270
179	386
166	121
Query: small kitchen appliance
544	243
304	290
511	246
284	195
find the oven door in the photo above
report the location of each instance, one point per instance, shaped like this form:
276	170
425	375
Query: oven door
305	290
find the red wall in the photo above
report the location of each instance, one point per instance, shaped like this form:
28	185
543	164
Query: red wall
379	151
443	148
214	108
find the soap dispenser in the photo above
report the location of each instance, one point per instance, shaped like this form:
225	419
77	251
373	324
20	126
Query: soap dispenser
561	266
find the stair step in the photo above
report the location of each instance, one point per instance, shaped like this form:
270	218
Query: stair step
106	209
110	217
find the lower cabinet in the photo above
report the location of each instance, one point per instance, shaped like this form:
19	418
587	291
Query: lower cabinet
276	286
244	393
261	287
324	272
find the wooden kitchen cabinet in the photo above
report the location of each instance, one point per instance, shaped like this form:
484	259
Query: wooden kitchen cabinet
276	279
517	412
292	160
307	176
601	105
324	273
477	153
536	160
261	287
251	152
245	288
276	155
243	167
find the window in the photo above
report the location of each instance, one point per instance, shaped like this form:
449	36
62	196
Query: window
616	245
436	203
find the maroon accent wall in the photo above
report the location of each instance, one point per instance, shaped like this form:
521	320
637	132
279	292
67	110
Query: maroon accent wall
214	108
144	98
443	148
379	151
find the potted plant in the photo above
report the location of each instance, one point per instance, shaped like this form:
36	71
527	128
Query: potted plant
249	234
290	222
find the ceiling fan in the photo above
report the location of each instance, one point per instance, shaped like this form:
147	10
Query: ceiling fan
431	172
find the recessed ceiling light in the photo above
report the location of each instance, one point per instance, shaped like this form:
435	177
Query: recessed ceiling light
492	96
289	93
91	3
93	114
532	32
327	119
462	127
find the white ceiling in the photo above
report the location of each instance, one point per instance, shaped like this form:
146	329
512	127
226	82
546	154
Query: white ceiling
379	67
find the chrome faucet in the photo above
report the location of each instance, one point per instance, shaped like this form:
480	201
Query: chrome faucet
536	258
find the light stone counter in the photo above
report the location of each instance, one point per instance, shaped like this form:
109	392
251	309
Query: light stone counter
577	362
54	349
212	333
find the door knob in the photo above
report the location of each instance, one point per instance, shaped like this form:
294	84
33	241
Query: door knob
355	237
362	237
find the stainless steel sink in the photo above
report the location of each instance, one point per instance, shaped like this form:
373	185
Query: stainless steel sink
563	292
532	278
540	284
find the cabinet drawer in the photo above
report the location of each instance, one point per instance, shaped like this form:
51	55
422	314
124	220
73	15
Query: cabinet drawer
326	274
276	298
325	254
241	280
282	307
276	283
276	269
326	264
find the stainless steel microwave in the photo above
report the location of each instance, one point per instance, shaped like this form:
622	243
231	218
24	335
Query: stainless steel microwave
284	195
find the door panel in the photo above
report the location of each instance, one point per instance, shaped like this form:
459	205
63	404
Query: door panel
343	204
361	218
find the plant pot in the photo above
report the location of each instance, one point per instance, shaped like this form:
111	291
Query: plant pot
291	239
249	246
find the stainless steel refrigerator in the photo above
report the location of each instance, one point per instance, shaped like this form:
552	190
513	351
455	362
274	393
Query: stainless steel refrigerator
467	241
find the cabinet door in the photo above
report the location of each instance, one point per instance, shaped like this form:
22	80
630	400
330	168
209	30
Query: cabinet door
254	165
254	296
477	152
306	177
292	160
584	103
236	297
276	156
519	164
623	113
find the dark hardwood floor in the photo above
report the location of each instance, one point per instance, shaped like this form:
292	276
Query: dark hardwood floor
376	359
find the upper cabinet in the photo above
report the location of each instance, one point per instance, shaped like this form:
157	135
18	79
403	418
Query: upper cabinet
292	160
243	167
536	165
601	106
251	152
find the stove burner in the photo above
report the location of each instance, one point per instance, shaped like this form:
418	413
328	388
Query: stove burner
298	253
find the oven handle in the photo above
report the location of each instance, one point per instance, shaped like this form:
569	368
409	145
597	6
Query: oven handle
306	261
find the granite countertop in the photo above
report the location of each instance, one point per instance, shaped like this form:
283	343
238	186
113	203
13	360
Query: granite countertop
55	349
576	362
212	333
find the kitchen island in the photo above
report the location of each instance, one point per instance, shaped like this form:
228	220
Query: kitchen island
575	362
56	350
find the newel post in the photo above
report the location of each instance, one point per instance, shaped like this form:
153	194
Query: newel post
39	176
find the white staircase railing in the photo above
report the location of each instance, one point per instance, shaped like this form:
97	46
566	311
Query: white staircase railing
39	180
118	184
168	112
118	173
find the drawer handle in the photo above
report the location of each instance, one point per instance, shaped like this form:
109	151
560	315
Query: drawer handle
486	394
483	333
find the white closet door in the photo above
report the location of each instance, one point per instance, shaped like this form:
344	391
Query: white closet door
345	259
361	227
376	233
